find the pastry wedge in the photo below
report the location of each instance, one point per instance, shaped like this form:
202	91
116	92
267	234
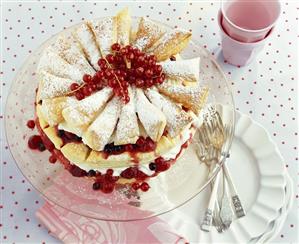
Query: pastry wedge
186	70
51	86
53	63
177	118
85	37
100	131
52	135
75	152
192	97
105	32
127	131
70	51
80	115
51	109
148	34
123	20
152	119
41	121
170	44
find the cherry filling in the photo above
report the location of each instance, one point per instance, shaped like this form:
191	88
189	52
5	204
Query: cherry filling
162	164
134	173
124	66
67	137
141	145
104	182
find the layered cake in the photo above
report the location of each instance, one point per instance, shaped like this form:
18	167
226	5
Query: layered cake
116	105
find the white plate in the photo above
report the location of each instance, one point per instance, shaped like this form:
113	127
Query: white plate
275	226
258	171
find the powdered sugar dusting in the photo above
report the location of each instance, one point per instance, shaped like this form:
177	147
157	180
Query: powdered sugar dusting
105	31
100	131
69	50
151	118
148	33
94	102
170	44
54	64
53	86
123	27
87	41
83	112
127	128
95	116
170	36
185	70
192	97
177	118
142	42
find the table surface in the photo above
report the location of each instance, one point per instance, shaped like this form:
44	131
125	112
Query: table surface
266	89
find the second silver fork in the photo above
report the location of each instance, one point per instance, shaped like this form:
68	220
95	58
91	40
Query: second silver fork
211	138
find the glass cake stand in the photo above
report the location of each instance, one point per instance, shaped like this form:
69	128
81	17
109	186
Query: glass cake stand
171	189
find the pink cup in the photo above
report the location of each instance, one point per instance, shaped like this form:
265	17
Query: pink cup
239	53
249	20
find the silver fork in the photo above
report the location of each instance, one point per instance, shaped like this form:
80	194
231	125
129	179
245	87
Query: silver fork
212	136
237	205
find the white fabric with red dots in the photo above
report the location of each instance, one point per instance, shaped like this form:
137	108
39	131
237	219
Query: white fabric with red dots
266	89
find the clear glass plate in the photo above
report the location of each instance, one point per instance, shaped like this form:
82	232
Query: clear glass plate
183	181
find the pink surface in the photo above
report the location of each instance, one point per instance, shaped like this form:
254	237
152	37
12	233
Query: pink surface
72	228
249	21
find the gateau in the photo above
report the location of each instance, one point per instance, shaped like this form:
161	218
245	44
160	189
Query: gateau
115	105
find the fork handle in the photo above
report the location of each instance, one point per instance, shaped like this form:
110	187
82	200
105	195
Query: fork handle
208	217
239	210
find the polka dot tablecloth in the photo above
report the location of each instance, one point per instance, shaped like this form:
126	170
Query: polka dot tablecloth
266	89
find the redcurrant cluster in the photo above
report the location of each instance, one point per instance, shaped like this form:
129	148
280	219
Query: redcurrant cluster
124	66
89	86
